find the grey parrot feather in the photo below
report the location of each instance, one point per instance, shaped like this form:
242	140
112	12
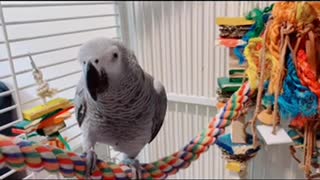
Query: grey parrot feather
79	103
126	107
160	111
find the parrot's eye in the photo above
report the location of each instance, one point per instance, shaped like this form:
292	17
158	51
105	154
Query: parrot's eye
96	61
115	55
84	62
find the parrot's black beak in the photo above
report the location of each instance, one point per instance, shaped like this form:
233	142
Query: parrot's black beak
92	80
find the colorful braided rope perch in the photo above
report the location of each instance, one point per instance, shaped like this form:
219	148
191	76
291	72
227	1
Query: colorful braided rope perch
19	155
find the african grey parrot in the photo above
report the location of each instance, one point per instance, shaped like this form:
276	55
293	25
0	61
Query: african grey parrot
116	102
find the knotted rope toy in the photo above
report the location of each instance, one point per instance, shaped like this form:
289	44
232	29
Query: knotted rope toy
295	27
19	155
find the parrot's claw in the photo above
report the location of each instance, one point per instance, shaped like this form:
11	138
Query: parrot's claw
134	164
91	157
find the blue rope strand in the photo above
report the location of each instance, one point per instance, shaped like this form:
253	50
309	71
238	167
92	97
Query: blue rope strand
296	99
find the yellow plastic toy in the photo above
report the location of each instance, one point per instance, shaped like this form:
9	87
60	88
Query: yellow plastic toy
39	111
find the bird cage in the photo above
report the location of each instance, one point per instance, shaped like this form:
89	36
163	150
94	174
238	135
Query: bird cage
173	41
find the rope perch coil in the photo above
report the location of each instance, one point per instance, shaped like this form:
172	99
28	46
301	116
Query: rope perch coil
19	155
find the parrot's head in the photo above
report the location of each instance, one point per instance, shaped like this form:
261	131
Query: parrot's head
103	63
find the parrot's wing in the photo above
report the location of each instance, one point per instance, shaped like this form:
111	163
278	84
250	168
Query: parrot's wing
160	109
80	103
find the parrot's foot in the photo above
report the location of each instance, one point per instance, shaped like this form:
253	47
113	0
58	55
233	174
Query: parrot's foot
134	164
91	157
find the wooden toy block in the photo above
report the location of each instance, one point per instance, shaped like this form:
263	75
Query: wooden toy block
57	118
236	71
226	86
233	28
228	42
281	137
234	166
265	117
237	79
238	135
38	111
53	129
234	65
25	124
220	105
233	21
